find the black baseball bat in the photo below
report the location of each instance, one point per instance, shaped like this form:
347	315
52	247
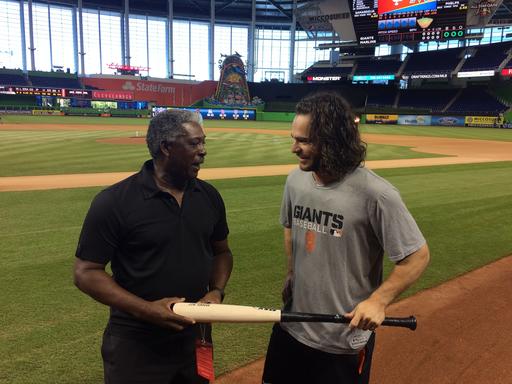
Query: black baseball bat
406	322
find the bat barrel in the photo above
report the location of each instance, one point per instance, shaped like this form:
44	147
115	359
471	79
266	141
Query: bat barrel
226	313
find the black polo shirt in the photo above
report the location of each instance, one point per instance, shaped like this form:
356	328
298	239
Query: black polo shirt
156	248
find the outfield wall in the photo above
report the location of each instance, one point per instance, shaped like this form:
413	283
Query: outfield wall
275	116
437	120
252	114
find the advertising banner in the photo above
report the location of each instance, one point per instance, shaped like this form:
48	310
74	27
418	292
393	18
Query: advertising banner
506	72
381	119
112	95
78	93
165	92
414	120
475	74
449	121
373	77
484	121
216	113
47	112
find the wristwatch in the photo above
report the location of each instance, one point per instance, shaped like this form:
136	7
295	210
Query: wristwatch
214	288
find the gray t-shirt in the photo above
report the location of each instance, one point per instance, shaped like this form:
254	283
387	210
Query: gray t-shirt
339	235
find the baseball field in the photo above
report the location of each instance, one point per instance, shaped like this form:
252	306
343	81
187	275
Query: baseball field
457	182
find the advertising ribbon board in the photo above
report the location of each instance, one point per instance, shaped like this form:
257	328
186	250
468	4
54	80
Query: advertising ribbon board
484	121
414	120
449	121
381	119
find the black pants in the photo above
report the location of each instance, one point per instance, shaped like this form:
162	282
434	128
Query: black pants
289	361
149	360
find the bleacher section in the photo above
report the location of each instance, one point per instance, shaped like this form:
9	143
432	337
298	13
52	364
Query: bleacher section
54	80
284	96
377	67
443	61
434	100
12	77
487	57
476	101
380	97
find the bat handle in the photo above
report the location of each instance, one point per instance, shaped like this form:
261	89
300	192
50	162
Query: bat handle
406	322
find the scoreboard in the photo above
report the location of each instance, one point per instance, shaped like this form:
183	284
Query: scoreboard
403	21
31	91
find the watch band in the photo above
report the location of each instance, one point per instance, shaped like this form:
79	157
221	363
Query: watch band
214	288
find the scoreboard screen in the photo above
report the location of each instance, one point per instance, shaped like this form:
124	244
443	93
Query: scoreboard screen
403	21
31	91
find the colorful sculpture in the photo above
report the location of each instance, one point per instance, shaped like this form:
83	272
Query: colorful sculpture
232	89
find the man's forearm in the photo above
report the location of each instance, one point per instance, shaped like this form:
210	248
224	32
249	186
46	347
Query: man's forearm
403	275
222	268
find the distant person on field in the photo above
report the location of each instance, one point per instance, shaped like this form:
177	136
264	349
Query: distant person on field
165	235
339	218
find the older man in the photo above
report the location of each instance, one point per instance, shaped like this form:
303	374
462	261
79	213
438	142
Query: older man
164	233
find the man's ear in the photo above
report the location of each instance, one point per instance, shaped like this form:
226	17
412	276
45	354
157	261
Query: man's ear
165	148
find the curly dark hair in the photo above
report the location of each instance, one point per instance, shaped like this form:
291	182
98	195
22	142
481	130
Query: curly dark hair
333	132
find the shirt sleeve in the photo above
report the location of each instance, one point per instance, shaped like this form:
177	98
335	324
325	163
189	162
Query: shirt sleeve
99	238
286	207
395	227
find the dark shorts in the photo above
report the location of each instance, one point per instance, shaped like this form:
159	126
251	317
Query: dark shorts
289	361
148	360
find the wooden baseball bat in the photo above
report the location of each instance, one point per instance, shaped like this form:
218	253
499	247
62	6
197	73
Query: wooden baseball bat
226	313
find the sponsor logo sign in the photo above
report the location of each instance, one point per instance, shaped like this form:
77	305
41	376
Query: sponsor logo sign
425	76
112	95
381	119
484	121
323	78
476	73
448	121
414	120
48	112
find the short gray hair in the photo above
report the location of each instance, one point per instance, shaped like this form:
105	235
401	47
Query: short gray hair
168	126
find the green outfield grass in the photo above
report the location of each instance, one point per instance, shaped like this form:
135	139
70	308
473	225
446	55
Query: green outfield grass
137	122
50	333
63	152
454	132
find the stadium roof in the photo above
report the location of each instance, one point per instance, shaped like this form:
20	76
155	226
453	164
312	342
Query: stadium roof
503	14
268	11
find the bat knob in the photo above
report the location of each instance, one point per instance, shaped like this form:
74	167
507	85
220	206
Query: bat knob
414	323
